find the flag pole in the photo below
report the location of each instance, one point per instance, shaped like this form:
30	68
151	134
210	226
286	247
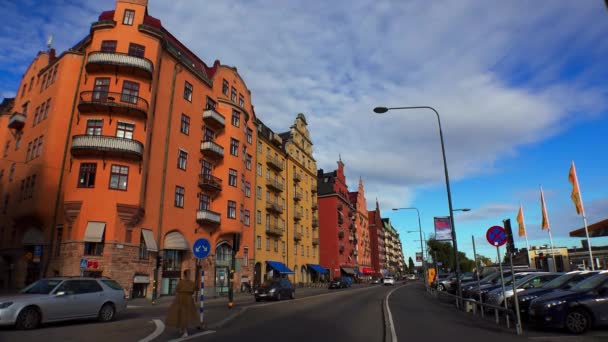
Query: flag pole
552	251
525	233
577	189
545	224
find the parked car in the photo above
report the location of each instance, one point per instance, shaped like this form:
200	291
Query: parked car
441	281
63	298
533	280
389	281
577	310
276	289
450	286
411	277
565	282
341	283
376	281
486	289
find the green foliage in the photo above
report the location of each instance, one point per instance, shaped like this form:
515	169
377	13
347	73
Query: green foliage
444	252
410	264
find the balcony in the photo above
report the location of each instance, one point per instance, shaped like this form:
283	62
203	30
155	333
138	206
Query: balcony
209	183
315	241
274	230
297	216
112	103
211	149
297	196
119	63
315	222
340	234
315	206
297	177
313	189
208	217
297	236
275	163
214	119
101	145
274	185
274	207
16	121
350	238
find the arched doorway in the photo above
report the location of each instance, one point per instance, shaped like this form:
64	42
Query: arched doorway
257	274
303	275
175	246
223	259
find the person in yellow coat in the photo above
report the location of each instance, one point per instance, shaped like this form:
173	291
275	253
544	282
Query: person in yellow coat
182	312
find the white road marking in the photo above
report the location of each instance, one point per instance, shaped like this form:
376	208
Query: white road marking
160	327
134	306
390	315
193	336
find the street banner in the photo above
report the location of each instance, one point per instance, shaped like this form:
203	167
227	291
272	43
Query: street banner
521	222
443	228
576	191
418	257
545	221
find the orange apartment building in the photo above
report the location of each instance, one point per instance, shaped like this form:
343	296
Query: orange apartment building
361	237
123	151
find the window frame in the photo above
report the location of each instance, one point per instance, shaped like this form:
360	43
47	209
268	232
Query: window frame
236	118
108	46
233	176
120	174
88	171
225	87
180	194
129	92
137	50
234	147
231	212
127	130
182	158
128	17
185	124
188	91
94	124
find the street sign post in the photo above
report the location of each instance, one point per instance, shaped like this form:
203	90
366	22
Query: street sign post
497	236
201	249
83	266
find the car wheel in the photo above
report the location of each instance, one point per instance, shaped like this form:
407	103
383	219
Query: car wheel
293	295
106	313
578	321
29	318
440	287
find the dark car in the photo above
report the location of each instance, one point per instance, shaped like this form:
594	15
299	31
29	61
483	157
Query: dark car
485	289
578	309
466	277
341	283
376	281
565	282
276	289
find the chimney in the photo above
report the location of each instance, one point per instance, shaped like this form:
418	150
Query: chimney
52	55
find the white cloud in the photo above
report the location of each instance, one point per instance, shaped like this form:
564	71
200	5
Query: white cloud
487	212
492	69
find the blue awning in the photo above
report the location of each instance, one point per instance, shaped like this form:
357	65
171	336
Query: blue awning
318	268
279	267
358	273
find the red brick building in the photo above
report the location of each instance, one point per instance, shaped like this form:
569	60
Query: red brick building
361	229
378	251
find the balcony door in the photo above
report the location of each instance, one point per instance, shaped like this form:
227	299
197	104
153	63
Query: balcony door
101	89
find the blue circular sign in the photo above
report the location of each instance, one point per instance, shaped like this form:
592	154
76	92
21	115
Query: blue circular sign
497	236
201	248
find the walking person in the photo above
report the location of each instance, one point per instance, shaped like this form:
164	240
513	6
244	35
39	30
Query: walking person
182	313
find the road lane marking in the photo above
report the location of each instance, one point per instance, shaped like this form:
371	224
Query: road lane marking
390	315
134	306
189	337
160	327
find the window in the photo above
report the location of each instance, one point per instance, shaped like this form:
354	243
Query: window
204	202
258	217
267	221
241	100
233	95
172	260
143	249
39	147
94	248
248	162
35	121
31	84
101	88
43	83
225	87
249	134
208	134
182	159
54	74
283	246
232	209
136	50
206	168
17	142
302	251
6	148
245	256
46	110
276	245
210	104
267	244
94	126
258	192
128	18
119	176
124	130
11	172
259	169
259	147
295	249
247	189
236	118
187	91
86	176
130	92
108	46
234	147
179	196
232	177
246	217
258	241
185	126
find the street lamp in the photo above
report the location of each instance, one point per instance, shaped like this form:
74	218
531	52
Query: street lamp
463	209
381	110
419	230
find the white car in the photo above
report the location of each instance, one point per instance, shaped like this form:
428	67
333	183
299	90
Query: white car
389	281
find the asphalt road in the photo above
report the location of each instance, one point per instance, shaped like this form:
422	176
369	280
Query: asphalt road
352	315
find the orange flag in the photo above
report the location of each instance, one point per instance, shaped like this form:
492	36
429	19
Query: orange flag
576	192
545	224
520	221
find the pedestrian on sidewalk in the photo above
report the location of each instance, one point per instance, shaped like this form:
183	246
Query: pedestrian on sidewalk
182	312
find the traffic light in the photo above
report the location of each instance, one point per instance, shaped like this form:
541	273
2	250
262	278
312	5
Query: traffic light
159	260
510	243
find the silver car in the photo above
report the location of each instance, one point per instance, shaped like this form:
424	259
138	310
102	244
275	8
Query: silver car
63	298
530	281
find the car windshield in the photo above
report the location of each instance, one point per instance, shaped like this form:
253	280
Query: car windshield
44	286
560	281
591	283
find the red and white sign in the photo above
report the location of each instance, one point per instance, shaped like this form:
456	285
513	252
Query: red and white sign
92	264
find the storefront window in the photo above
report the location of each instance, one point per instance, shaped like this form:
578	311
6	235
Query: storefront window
172	260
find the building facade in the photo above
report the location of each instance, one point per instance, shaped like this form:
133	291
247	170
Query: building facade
303	242
123	204
394	250
378	252
362	231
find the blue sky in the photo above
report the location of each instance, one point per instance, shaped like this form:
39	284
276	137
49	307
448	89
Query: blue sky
520	87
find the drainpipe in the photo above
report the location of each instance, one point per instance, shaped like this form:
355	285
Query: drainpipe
62	170
176	69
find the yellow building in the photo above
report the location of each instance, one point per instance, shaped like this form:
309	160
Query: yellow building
302	215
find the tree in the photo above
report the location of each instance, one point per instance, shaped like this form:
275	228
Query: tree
410	264
444	252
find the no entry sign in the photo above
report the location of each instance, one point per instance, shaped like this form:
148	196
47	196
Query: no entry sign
497	236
